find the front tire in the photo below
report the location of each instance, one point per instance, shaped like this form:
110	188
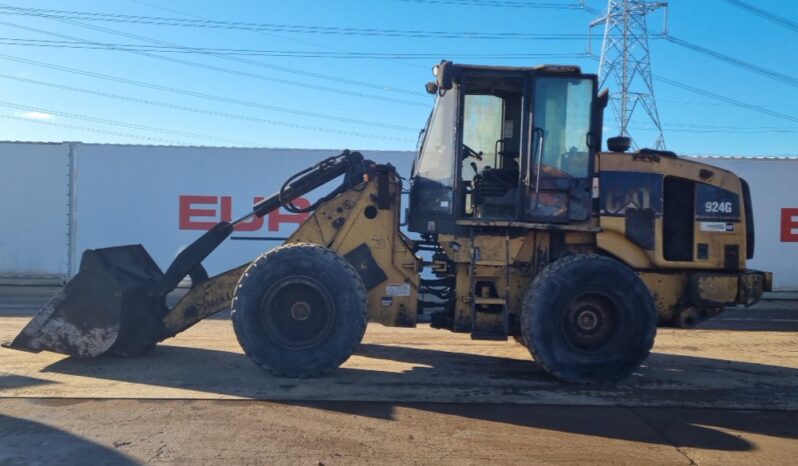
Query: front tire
299	310
588	319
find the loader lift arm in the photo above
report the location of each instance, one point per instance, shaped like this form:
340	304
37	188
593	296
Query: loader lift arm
116	303
212	295
189	261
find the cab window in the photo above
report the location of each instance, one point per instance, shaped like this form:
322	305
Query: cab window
482	124
489	154
562	113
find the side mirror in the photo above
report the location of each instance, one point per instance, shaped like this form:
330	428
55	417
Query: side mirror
603	98
444	75
431	87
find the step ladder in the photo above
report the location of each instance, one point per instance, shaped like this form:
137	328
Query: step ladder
489	314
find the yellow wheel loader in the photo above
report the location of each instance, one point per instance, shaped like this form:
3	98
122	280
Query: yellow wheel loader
524	229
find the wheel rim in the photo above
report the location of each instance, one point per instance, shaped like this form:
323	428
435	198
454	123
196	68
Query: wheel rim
590	322
297	313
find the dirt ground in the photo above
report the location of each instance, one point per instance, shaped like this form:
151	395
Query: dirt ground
722	394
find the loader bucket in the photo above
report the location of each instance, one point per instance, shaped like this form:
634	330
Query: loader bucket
111	306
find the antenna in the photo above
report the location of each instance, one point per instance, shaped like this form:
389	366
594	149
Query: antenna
625	58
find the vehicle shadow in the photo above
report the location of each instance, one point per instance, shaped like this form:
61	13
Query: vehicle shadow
498	389
11	381
679	427
765	316
23	439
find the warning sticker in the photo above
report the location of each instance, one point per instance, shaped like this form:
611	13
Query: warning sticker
401	289
717	226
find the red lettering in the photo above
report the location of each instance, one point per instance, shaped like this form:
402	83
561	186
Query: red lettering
253	224
276	218
188	212
193	217
789	225
227	209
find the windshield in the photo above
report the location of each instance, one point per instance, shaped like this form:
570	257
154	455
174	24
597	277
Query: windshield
437	150
423	133
433	180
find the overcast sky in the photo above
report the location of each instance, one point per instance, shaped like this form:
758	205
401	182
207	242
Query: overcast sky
324	75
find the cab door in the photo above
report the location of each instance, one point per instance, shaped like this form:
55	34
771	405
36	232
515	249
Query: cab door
560	148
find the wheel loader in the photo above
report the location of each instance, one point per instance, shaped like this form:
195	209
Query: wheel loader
522	228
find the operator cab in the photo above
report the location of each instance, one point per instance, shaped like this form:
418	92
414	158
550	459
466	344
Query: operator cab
502	143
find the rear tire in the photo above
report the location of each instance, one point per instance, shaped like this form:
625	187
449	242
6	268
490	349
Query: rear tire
299	310
588	319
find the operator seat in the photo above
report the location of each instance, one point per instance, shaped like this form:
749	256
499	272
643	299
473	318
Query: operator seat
495	189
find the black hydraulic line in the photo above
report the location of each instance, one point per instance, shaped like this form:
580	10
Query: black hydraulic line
348	163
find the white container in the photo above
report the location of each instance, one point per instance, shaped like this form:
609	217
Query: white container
58	199
34	210
165	197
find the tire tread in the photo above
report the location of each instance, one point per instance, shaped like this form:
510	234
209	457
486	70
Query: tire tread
313	249
541	281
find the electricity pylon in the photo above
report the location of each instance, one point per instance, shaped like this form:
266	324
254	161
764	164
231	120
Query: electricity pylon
625	58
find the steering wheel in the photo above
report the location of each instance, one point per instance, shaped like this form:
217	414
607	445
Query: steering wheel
469	152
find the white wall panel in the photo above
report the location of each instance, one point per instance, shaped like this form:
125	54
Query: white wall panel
132	194
34	209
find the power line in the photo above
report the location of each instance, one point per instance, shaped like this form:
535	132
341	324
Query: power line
502	3
768	73
91	130
732	128
187	93
274	53
209	67
772	17
721	104
298	71
121	123
724	99
708	129
354	82
695	102
729	100
692	89
266	34
285	28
